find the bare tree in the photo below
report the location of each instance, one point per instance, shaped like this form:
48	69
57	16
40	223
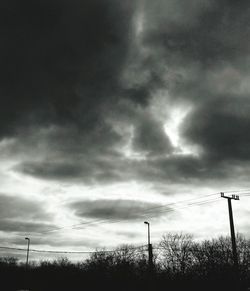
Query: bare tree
176	250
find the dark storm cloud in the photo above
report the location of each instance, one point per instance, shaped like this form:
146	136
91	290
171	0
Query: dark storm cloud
173	168
60	60
61	77
87	171
12	206
204	31
71	71
160	169
205	46
114	209
22	215
196	40
95	158
22	226
222	128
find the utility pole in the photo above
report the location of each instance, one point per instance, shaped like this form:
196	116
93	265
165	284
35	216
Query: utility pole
234	248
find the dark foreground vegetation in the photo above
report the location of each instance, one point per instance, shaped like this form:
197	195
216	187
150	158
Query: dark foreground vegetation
180	263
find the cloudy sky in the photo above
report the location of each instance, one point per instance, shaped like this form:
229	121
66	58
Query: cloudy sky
115	112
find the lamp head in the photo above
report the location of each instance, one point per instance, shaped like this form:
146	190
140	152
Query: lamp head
27	238
146	222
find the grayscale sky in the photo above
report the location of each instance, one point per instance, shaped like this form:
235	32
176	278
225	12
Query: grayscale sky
114	112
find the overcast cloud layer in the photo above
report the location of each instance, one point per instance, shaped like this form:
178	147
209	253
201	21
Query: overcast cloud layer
99	93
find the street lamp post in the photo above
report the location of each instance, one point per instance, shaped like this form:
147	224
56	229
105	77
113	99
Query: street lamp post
28	248
150	249
148	224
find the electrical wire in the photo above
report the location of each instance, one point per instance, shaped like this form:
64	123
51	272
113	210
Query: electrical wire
166	208
161	211
236	191
100	221
72	252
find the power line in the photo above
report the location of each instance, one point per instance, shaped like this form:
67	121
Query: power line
100	221
147	211
162	211
195	203
166	208
72	226
72	252
237	191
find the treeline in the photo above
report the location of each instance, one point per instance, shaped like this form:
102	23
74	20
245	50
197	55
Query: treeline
180	263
